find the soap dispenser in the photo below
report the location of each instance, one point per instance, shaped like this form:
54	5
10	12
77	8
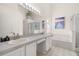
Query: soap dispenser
1	39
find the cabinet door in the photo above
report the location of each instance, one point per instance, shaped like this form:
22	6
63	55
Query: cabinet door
48	43
31	49
17	52
50	40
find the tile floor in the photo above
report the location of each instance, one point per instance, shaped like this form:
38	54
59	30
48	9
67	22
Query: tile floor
58	51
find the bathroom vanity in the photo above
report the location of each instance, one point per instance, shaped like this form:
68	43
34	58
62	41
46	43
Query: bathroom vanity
26	46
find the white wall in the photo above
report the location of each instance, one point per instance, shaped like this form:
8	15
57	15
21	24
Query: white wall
11	19
66	10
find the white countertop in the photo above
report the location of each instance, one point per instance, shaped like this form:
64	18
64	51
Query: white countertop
5	47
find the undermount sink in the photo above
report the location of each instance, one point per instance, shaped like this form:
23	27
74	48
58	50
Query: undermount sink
16	41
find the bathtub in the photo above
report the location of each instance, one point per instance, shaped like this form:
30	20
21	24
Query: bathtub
63	41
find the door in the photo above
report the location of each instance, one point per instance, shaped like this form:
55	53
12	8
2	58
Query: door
75	30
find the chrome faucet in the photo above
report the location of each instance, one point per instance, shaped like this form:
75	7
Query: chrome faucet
17	36
13	35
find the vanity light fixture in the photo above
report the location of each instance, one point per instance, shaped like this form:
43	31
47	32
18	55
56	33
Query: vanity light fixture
30	8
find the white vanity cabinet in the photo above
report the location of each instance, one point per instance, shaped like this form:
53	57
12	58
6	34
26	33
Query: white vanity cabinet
31	49
48	43
44	45
17	52
26	50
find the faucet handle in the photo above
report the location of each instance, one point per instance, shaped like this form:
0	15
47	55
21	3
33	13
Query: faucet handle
13	33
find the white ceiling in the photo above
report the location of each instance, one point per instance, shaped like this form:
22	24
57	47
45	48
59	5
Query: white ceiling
44	8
